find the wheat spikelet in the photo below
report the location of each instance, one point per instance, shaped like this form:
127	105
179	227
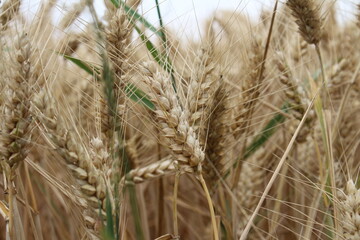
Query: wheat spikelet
163	167
307	18
349	205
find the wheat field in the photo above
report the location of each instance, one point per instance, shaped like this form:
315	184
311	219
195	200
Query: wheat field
121	129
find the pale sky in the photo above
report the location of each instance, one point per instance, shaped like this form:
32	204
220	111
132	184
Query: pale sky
186	16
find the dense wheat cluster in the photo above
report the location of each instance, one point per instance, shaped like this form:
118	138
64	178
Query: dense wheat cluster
121	130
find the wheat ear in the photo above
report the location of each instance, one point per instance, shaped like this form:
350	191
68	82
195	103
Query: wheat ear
349	205
118	37
163	167
13	138
251	89
91	180
73	14
219	137
308	19
15	127
173	120
296	96
201	90
251	179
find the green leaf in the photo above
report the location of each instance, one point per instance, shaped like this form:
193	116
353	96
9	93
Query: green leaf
137	95
92	70
162	34
116	3
135	15
109	228
135	212
131	90
161	60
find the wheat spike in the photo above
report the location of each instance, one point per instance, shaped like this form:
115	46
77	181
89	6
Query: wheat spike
163	167
73	14
90	179
251	89
297	97
350	212
13	138
201	90
173	120
307	18
219	138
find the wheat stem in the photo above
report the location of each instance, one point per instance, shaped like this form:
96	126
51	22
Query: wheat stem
175	211
211	206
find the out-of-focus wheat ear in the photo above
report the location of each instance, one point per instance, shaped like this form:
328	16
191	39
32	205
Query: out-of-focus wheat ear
90	180
296	96
250	91
71	43
346	143
111	8
337	73
249	187
8	11
219	138
349	204
172	120
14	135
308	19
72	15
299	50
